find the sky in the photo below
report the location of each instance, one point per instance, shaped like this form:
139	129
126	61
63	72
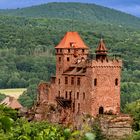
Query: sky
128	6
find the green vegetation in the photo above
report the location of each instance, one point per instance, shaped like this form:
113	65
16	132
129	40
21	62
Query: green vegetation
82	12
2	96
134	110
14	128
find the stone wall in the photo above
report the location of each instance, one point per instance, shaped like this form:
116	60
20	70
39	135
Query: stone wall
116	126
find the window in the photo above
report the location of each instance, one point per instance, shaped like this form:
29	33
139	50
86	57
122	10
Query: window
66	95
70	95
58	93
73	107
59	81
66	80
72	80
68	59
116	82
77	95
101	110
83	50
95	82
68	50
84	95
78	81
60	50
59	59
78	107
57	50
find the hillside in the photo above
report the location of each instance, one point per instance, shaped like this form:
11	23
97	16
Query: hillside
77	11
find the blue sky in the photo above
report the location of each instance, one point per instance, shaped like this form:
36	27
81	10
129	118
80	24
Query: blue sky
128	6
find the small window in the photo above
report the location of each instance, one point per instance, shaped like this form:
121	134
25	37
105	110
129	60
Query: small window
78	81
77	95
78	107
84	95
116	82
95	82
57	50
59	81
58	93
68	50
70	95
83	50
73	107
66	80
59	59
66	95
68	59
72	80
60	50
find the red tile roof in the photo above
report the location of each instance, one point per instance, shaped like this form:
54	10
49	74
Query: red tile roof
71	40
11	102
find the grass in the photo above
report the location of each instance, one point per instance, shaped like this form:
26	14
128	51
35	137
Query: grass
16	92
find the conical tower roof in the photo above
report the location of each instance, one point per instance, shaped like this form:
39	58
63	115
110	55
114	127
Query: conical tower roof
72	40
101	49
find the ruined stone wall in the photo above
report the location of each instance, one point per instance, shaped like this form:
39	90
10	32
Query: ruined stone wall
116	126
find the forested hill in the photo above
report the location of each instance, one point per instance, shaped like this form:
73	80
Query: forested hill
77	11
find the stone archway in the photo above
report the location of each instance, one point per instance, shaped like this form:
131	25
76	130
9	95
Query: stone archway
101	110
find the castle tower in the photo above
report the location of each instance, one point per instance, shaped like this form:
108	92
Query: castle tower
105	82
101	51
69	51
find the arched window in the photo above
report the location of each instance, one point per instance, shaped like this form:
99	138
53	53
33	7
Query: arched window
101	110
68	59
95	82
84	95
77	95
116	82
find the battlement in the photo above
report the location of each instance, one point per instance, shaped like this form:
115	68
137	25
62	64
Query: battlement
114	63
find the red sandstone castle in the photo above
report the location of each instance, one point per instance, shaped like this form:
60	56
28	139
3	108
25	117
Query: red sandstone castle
82	85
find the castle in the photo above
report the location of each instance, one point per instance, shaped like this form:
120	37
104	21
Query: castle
82	85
